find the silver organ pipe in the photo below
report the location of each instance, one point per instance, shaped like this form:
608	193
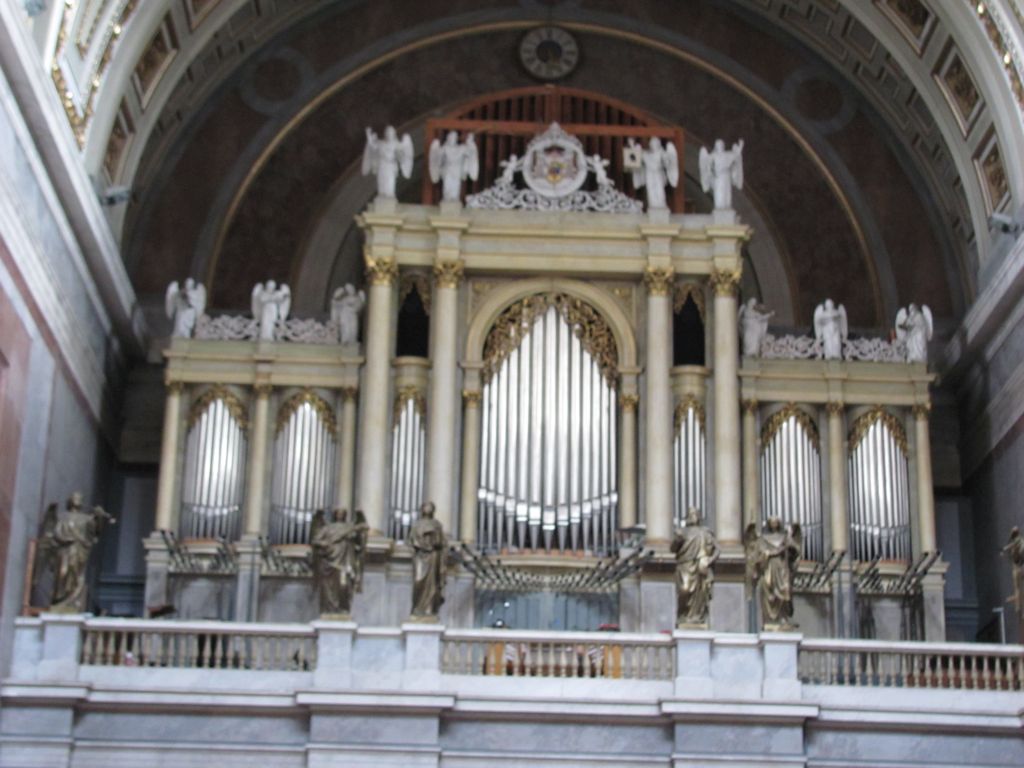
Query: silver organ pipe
214	468
408	446
303	474
548	452
791	475
688	449
878	496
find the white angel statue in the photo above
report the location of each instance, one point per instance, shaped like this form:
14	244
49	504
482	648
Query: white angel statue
659	165
914	327
185	306
346	304
452	163
753	322
387	157
720	170
270	305
830	329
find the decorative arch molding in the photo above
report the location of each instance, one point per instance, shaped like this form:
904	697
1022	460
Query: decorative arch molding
504	295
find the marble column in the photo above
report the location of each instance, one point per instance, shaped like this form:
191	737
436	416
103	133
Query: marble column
751	489
373	426
628	402
470	465
925	490
255	487
442	415
839	517
346	448
658	454
728	514
166	509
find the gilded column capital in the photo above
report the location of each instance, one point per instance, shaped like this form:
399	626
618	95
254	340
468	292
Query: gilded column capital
921	410
750	406
834	408
381	271
263	389
448	274
471	397
629	402
349	394
726	282
175	387
658	280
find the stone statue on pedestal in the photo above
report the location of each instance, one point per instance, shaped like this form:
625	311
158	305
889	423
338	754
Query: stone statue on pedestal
830	329
753	320
339	550
270	305
1014	550
772	559
658	165
914	328
696	550
346	304
65	543
721	169
452	163
387	158
428	564
184	306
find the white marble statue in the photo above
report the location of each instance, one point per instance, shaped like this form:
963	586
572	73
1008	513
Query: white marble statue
185	306
753	322
721	169
659	166
830	329
601	170
346	304
509	168
452	163
387	158
914	328
270	305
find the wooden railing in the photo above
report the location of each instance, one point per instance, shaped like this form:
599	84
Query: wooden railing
198	644
558	654
962	666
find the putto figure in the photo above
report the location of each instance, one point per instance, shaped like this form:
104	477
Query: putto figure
1014	550
65	543
346	304
721	169
772	559
270	305
452	163
185	306
696	551
658	165
753	323
339	549
387	158
830	329
914	328
428	547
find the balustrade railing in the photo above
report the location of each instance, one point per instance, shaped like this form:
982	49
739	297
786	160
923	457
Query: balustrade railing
198	645
558	654
874	663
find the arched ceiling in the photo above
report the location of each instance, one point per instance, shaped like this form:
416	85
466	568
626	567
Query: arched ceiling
880	135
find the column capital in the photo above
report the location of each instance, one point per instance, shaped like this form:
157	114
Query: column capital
835	408
726	282
471	398
448	274
921	410
629	401
262	388
381	271
658	280
175	387
349	394
750	406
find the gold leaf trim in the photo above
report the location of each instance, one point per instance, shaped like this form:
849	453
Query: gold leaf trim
863	423
448	274
687	403
471	398
231	401
684	291
629	402
725	282
415	281
658	280
405	394
791	410
296	401
381	271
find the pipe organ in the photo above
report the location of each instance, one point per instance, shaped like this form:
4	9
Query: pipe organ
408	453
689	460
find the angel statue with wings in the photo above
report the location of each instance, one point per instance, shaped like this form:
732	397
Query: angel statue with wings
914	328
753	322
339	551
185	306
721	169
452	163
772	559
65	543
346	304
270	305
386	158
830	329
658	166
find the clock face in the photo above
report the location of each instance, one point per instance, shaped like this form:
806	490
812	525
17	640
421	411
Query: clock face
549	52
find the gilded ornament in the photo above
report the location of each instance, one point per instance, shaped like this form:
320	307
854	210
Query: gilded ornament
318	404
921	410
381	271
776	420
231	401
688	402
658	280
175	387
415	281
629	402
750	406
864	422
405	394
684	291
834	408
471	398
448	274
349	394
725	282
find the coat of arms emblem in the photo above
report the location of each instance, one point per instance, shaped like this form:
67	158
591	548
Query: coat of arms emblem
554	164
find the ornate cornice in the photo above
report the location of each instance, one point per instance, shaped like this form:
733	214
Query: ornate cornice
658	280
725	282
381	271
448	274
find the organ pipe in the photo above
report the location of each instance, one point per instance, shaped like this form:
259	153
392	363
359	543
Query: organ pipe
688	454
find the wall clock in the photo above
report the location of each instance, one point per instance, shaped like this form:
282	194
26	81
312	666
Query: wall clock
549	53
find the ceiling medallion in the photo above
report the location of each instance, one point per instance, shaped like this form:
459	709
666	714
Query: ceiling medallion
549	53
